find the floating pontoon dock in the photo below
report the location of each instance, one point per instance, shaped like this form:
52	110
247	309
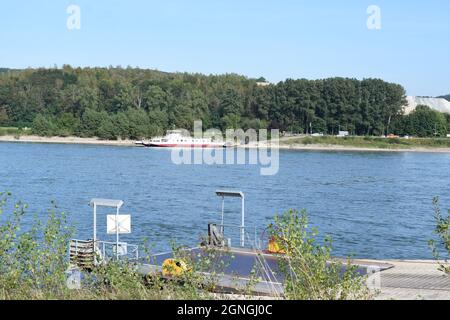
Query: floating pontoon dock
241	266
396	279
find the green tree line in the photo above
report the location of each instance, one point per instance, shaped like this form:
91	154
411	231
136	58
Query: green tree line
113	103
423	122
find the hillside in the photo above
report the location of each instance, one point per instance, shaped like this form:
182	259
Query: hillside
446	97
133	103
438	104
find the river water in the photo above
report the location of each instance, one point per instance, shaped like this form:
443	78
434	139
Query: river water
373	204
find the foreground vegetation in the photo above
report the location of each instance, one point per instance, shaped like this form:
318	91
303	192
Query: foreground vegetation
34	265
441	246
371	142
310	271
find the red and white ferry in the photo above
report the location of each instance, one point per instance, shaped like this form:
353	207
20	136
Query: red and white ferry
176	139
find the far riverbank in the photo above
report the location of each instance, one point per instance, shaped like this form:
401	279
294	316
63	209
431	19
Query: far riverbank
282	145
66	140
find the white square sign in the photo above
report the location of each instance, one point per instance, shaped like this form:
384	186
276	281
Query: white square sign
123	224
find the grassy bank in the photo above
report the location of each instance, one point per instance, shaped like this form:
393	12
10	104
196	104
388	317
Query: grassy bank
370	142
14	131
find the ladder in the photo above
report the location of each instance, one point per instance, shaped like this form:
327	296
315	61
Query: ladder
82	254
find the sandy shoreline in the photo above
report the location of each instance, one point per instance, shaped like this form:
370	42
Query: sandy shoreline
67	140
130	143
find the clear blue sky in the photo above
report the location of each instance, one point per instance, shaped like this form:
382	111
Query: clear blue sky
274	39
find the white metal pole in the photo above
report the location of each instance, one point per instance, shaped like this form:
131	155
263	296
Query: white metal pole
117	233
95	232
223	205
95	223
243	223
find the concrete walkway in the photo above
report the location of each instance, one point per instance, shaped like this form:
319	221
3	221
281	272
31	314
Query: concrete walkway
411	280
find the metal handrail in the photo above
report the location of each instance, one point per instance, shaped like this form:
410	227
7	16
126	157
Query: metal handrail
241	228
132	249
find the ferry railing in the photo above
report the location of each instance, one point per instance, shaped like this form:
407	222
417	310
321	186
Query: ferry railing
124	251
249	232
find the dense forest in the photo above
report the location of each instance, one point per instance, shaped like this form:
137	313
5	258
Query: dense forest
113	103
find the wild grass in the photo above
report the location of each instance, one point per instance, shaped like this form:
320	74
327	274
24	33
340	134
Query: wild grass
372	142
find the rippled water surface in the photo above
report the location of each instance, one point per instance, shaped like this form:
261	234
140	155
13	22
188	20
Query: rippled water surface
374	205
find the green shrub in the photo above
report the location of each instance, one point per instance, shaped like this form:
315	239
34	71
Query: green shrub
310	271
443	242
32	261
